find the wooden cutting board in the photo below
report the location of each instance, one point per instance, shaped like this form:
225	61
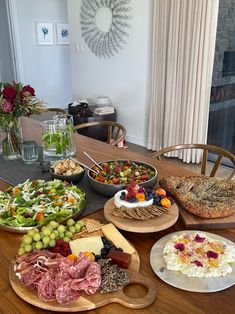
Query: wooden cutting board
193	222
86	302
141	226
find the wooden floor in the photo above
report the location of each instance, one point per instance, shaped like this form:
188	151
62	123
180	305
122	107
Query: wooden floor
223	171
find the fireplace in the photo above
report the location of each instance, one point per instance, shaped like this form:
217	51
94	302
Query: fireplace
228	63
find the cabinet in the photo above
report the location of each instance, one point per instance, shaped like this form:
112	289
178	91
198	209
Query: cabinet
96	132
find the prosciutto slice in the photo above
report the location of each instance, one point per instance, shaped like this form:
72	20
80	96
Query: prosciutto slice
32	277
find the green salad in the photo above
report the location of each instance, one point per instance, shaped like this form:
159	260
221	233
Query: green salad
38	202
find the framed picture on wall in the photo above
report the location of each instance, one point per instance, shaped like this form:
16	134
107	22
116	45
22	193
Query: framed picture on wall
44	32
62	31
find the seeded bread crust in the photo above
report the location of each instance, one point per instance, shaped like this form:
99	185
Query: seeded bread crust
206	197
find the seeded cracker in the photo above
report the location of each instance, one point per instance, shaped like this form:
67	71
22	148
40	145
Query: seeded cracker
92	225
92	229
139	213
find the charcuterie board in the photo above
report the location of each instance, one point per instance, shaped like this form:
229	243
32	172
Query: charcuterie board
141	226
86	302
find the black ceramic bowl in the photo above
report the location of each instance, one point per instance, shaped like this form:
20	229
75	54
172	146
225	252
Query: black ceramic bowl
69	178
111	189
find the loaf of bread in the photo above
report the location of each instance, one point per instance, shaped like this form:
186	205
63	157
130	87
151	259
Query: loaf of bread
206	197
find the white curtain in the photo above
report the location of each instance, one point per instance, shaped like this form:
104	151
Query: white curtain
184	33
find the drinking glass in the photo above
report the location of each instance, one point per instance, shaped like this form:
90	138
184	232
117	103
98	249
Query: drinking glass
29	152
68	125
58	137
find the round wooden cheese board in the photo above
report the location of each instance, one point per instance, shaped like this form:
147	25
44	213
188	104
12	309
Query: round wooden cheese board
85	302
142	226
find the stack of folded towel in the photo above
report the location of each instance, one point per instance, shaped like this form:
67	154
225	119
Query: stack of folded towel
104	110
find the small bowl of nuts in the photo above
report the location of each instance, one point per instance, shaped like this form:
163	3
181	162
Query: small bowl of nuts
67	170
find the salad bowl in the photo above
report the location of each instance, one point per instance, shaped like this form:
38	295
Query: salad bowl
118	174
35	203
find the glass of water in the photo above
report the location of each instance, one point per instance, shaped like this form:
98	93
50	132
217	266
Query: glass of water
29	152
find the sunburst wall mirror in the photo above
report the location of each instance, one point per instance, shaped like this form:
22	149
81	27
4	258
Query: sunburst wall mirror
105	25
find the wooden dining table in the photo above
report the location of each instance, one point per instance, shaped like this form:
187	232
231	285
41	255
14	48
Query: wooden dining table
169	299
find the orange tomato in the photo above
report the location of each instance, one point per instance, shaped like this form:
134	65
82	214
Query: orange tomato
16	191
72	257
140	197
161	192
165	202
56	197
90	255
60	203
39	216
71	200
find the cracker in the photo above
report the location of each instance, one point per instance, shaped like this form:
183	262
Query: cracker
92	225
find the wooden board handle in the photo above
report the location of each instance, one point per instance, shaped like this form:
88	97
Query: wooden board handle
143	301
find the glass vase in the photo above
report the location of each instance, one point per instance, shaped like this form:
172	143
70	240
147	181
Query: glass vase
11	145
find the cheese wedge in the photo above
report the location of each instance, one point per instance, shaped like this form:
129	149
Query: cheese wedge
90	244
112	234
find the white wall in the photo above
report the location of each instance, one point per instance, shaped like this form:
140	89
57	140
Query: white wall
124	77
6	70
46	68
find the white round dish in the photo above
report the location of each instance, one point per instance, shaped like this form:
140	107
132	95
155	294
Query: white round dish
118	202
181	281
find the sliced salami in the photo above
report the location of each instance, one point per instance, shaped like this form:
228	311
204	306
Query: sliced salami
47	287
65	294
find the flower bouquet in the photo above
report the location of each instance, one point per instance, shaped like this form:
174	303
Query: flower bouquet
16	100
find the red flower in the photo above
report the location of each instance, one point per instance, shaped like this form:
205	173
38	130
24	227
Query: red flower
212	254
198	263
7	106
27	89
179	246
9	93
199	239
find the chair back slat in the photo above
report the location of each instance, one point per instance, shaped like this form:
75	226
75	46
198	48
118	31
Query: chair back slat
206	148
110	132
204	161
216	166
117	133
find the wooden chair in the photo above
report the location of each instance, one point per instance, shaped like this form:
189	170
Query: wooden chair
115	132
219	152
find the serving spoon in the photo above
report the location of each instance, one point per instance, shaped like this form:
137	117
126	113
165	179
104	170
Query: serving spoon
93	160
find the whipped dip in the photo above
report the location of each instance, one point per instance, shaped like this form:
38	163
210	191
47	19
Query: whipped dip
198	255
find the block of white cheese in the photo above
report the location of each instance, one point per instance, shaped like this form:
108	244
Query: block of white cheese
90	244
112	234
